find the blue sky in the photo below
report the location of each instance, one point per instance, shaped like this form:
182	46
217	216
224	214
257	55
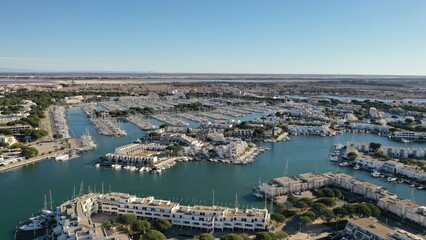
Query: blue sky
229	36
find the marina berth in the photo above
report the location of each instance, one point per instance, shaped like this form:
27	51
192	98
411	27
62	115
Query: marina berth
141	122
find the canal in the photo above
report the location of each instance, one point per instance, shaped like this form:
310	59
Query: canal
23	189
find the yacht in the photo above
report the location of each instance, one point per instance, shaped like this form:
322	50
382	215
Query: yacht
62	157
344	164
257	194
392	179
31	226
48	213
375	174
38	219
420	188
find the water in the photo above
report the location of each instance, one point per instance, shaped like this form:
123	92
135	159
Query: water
343	98
22	190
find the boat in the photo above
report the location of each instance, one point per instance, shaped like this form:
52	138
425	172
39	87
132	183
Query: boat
38	219
97	165
391	179
62	157
344	164
412	185
401	181
357	167
48	213
405	140
31	226
420	188
375	174
257	194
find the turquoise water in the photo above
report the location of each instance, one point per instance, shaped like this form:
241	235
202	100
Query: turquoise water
22	190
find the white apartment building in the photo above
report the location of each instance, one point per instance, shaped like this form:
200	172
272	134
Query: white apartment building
74	216
371	229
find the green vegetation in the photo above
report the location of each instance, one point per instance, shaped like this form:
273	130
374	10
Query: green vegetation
162	224
29	152
153	235
278	217
206	236
352	156
127	219
196	106
328	201
231	236
141	226
375	146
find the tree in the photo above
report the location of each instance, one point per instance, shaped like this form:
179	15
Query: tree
352	156
318	193
337	193
326	214
107	225
362	210
153	235
57	136
305	220
280	234
162	224
278	217
231	236
330	202
328	192
316	208
127	219
264	236
340	212
374	146
29	152
141	226
408	121
375	211
206	236
310	214
301	205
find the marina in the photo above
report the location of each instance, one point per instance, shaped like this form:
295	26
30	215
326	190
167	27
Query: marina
61	178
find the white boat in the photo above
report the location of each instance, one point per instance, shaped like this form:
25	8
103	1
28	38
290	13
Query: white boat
38	219
344	164
48	213
62	157
405	140
257	194
116	166
31	226
391	179
375	174
132	168
357	167
97	165
420	188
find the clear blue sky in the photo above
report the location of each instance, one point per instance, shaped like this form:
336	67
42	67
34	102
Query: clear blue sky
229	36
